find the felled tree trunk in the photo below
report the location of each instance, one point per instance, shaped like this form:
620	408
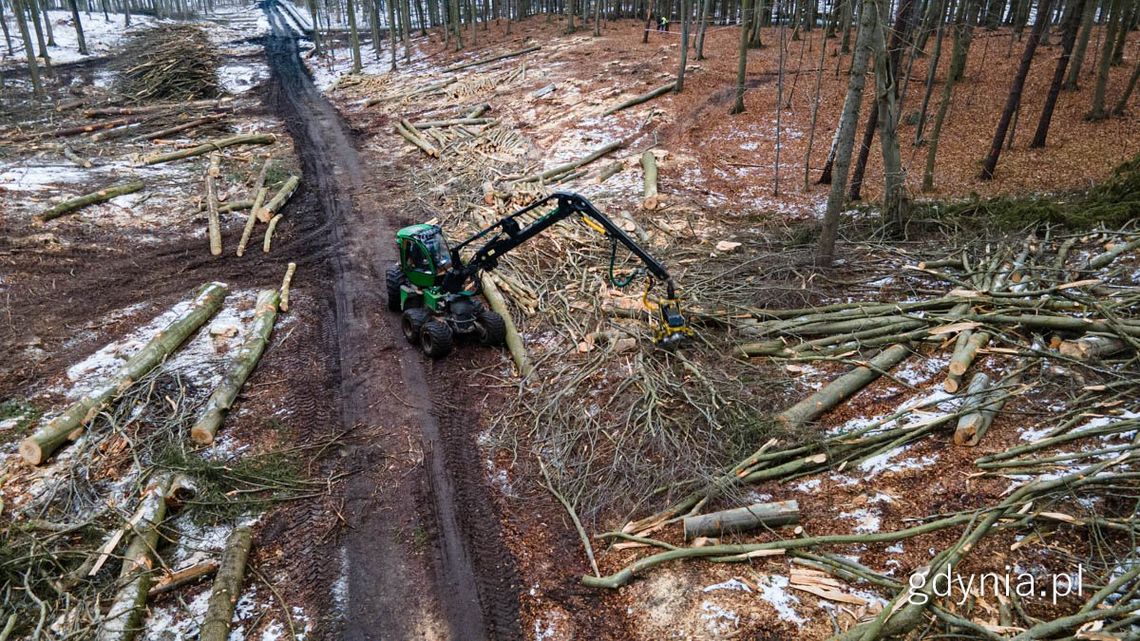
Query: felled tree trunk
1091	348
649	166
279	199
514	341
288	280
239	370
214	145
843	387
185	576
227	587
251	220
124	620
69	425
483	61
645	97
742	519
215	221
965	351
101	196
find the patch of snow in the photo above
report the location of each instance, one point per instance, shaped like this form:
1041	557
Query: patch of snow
897	548
773	589
731	584
883	462
718	620
867	520
340	587
810	485
920	371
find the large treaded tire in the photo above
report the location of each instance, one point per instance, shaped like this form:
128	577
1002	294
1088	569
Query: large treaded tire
412	322
436	339
395	280
492	328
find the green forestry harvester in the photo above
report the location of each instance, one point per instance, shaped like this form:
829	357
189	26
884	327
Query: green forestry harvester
436	288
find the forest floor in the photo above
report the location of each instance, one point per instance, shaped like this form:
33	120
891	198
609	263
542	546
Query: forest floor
406	501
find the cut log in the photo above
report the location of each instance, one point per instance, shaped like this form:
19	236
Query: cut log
238	370
1092	348
409	134
514	341
227	587
645	97
965	351
649	166
1106	258
75	204
978	410
186	576
608	172
544	91
428	124
99	112
79	161
483	61
285	286
279	199
570	166
214	221
124	619
176	129
233	205
214	145
479	110
267	243
251	220
843	387
742	519
68	425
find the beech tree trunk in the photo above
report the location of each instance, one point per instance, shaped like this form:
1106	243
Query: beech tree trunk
215	145
843	387
1114	22
962	25
894	207
101	196
124	619
227	586
836	200
69	425
1013	101
1068	39
214	220
33	66
742	60
741	519
1122	104
243	364
1078	59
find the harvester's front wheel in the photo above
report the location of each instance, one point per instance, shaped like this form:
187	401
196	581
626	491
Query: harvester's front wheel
436	339
412	322
492	328
395	280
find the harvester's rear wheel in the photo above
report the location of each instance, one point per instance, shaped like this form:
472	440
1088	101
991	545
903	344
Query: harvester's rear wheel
436	339
412	322
395	280
492	328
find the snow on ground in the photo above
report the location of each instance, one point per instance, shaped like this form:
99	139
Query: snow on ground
197	363
774	590
102	36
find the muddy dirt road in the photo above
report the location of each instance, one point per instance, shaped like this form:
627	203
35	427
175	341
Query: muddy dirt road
407	551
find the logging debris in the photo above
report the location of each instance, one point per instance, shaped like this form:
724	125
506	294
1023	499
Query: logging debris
169	63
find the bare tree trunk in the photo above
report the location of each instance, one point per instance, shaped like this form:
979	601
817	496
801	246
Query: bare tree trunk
78	27
1114	22
825	250
897	39
704	24
1123	102
227	586
1078	59
895	206
316	26
354	37
686	9
931	73
742	62
33	66
1072	22
963	23
989	165
814	110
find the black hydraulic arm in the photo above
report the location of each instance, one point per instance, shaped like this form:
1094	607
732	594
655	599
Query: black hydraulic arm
507	234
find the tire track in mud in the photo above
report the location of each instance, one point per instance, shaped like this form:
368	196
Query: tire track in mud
385	395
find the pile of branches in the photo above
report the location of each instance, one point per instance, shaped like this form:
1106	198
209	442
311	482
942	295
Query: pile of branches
169	62
1052	322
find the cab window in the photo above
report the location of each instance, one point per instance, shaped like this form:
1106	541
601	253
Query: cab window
416	257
